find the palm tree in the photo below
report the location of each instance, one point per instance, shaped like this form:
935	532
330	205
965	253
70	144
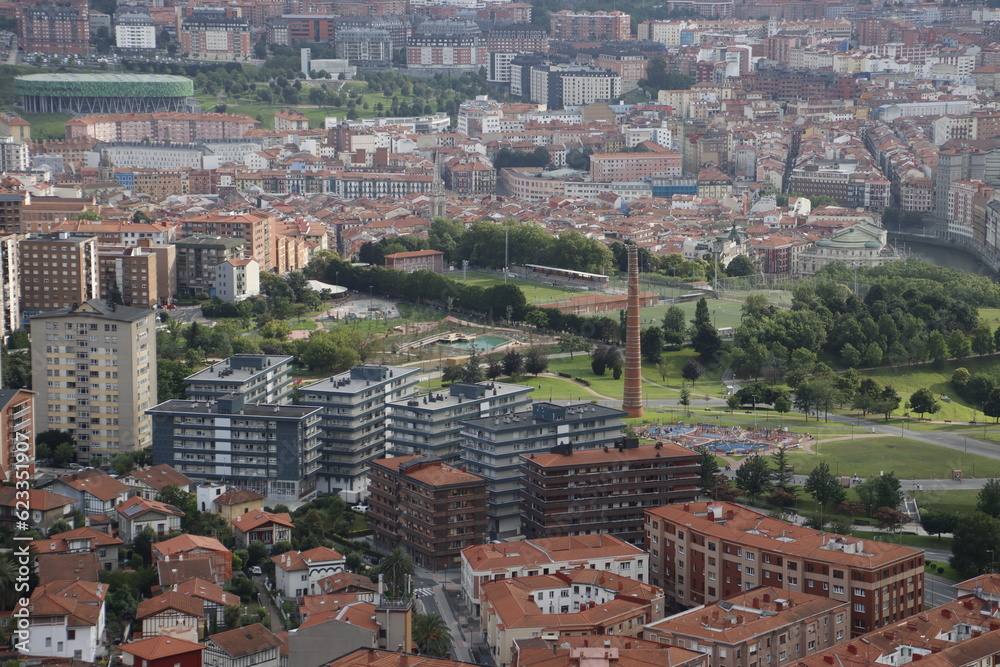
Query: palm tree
8	576
395	568
432	635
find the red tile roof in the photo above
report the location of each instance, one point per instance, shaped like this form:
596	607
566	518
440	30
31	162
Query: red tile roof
172	600
245	641
160	647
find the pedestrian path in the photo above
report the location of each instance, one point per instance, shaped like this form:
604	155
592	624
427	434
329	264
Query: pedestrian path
423	592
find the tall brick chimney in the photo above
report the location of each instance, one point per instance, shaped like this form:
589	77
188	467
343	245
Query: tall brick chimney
632	405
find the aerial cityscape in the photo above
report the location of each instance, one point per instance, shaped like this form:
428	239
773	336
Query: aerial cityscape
543	333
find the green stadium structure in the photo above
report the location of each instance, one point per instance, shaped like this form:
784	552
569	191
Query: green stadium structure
104	93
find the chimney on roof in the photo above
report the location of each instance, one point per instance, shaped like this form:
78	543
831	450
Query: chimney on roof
756	603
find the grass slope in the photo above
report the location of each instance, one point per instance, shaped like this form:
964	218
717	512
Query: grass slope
909	459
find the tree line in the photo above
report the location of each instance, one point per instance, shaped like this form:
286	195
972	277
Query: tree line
483	244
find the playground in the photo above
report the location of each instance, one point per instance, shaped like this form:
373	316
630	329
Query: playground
725	440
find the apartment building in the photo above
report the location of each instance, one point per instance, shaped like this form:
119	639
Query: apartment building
135	31
353	425
237	279
704	552
500	560
197	259
591	26
17	432
573	602
215	34
767	625
960	632
254	227
258	378
607	490
10	282
492	447
426	507
58	270
130	274
169	126
93	365
269	449
58	26
429	425
617	167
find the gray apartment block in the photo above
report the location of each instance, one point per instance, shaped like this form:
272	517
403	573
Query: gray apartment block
197	257
429	425
354	422
259	378
492	448
270	449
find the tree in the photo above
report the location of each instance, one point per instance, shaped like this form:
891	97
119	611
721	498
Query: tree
754	477
936	523
535	361
708	469
882	491
988	498
824	487
663	368
937	347
741	266
256	553
494	366
182	500
781	498
922	401
63	454
170	376
674	326
432	635
232	615
142	544
572	343
976	543
59	526
513	364
651	343
888	518
395	569
782	404
960	377
692	371
887	402
706	342
685	400
782	477
733	401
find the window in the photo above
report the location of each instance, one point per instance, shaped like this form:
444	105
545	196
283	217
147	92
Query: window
840	635
750	555
840	619
838	590
859	592
859	608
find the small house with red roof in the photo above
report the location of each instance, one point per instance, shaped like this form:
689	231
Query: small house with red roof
297	573
192	547
149	482
161	651
66	619
94	491
266	527
46	508
80	541
136	514
169	610
250	645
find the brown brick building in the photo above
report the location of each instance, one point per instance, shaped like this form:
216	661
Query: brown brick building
54	26
416	260
429	509
57	271
605	490
704	552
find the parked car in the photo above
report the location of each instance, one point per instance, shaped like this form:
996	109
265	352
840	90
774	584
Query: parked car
360	508
255	570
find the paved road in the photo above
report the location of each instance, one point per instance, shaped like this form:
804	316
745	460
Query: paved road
938	590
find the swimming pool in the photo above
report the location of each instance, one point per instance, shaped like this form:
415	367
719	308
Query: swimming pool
481	343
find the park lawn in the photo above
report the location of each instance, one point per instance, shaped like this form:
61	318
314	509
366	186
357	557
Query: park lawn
302	325
962	501
990	315
536	292
944	570
725	313
909	459
920	541
556	389
908	379
47	125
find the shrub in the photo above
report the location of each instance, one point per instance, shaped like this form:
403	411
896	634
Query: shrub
585	383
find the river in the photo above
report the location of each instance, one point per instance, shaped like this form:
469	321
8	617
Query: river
944	255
